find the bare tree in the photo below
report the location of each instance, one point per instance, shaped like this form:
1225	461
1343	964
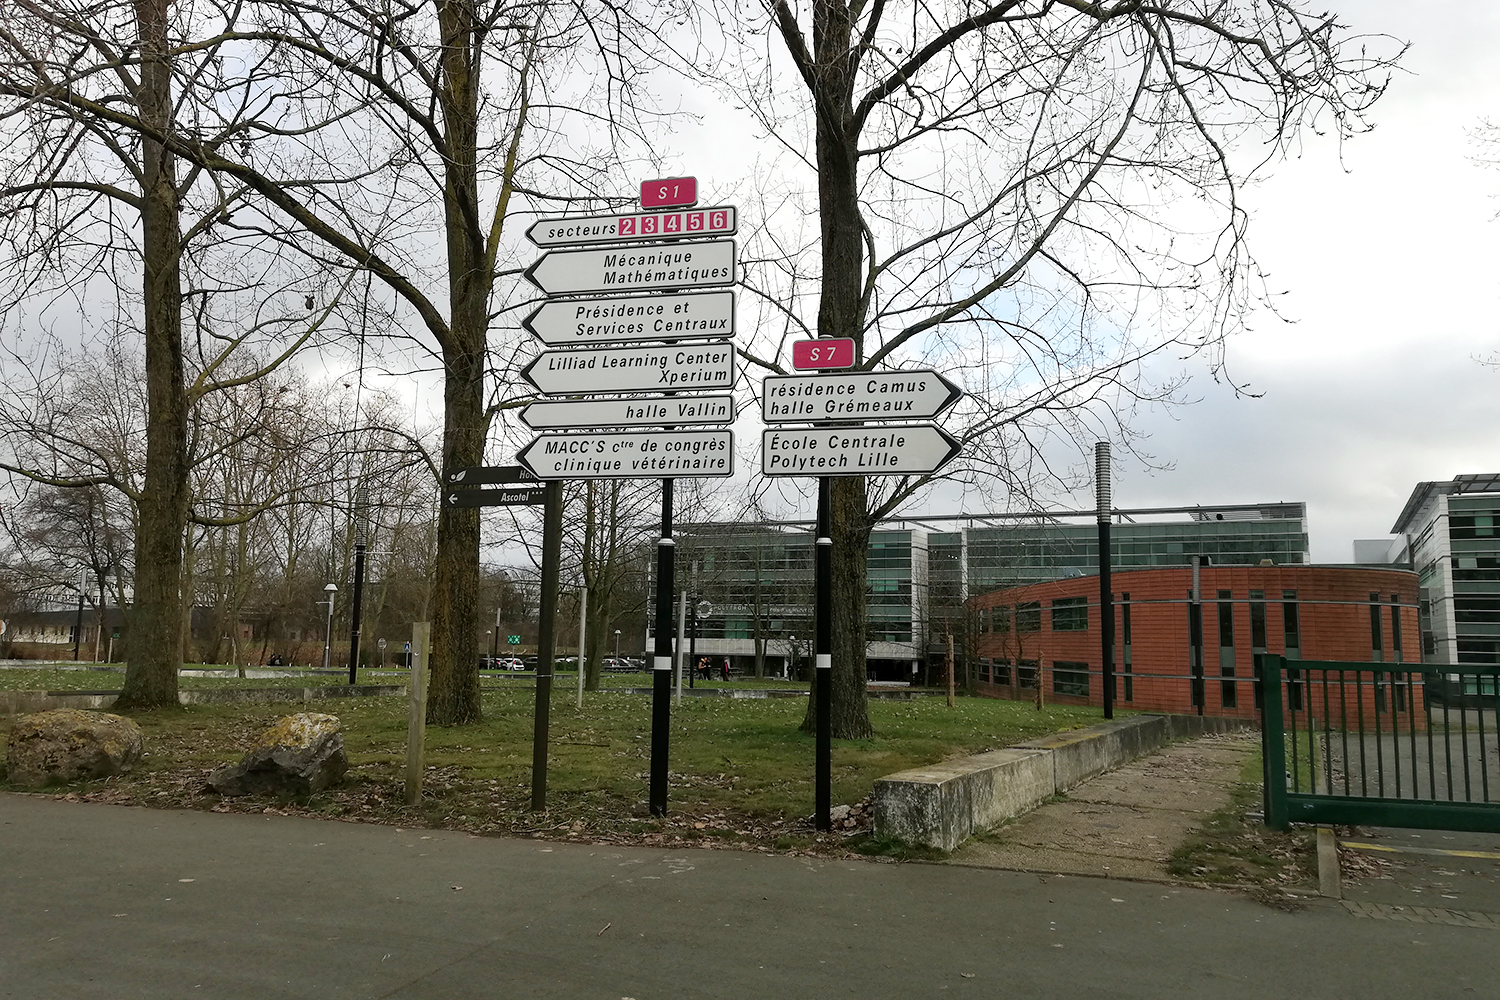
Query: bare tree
1035	196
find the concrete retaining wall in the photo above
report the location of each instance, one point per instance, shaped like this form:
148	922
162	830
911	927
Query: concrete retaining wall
943	805
25	702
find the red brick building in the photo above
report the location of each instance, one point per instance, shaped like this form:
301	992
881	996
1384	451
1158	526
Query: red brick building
1047	635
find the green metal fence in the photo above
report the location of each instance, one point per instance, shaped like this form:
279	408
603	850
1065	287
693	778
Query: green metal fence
1383	744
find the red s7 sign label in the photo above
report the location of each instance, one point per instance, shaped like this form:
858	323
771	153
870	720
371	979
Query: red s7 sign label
827	352
670	192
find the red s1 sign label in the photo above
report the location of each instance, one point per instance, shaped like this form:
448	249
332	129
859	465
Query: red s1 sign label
670	192
826	352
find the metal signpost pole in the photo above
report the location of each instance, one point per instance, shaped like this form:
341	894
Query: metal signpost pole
546	642
1106	592
677	650
661	667
823	662
361	498
583	621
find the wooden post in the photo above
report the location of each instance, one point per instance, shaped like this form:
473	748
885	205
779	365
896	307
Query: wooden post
416	720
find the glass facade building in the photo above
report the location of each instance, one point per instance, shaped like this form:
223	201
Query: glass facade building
758	578
1450	534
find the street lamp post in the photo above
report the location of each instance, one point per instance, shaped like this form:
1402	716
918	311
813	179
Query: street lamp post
617	649
329	590
791	642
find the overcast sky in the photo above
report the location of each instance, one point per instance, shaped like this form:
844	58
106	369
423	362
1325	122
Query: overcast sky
1388	252
1391	263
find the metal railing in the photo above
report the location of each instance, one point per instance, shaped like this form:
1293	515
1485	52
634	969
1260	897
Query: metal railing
1388	744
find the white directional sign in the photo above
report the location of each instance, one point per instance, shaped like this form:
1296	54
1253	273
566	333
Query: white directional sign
879	395
584	230
631	455
876	450
633	369
663	316
648	411
635	269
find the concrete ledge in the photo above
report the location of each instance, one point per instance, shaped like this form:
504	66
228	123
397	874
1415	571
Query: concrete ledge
1081	754
25	702
944	804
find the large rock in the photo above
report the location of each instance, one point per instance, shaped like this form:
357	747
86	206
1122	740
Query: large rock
299	755
67	744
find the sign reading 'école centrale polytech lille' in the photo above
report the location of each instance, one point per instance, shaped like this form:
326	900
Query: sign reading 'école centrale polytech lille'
876	450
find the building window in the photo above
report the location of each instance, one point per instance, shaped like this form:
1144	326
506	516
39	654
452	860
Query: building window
1477	610
1291	624
1026	674
1227	692
1029	617
1291	627
1070	614
1258	621
1396	626
1000	619
1002	671
1377	645
1226	620
1070	678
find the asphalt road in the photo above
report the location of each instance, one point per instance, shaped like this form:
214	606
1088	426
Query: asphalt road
105	901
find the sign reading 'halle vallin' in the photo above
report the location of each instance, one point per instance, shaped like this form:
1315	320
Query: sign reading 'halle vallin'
650	411
631	454
881	449
663	316
635	269
633	369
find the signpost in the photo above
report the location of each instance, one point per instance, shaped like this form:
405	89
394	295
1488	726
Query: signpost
669	192
825	352
663	368
649	411
631	318
631	455
665	253
876	450
516	496
635	269
878	395
632	227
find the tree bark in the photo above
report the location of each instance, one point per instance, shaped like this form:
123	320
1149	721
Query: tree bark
453	697
155	635
839	316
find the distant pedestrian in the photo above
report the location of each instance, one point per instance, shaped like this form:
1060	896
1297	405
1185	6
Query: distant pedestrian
726	669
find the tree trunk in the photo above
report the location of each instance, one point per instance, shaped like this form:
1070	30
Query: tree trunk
155	636
851	539
839	316
453	697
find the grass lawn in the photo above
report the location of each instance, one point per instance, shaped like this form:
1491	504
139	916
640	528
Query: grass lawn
741	772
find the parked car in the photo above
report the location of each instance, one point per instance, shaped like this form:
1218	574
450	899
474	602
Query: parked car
509	663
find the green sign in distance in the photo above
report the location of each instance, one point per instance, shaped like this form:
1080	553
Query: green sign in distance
513	640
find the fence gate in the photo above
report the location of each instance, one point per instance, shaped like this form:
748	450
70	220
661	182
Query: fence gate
1380	744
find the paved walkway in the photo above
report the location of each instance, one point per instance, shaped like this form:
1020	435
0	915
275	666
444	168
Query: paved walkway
1126	823
113	902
